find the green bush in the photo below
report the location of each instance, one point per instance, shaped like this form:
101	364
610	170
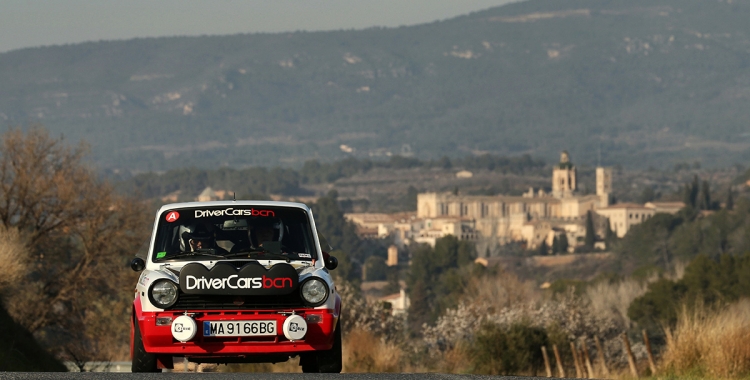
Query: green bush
510	350
707	281
375	269
437	278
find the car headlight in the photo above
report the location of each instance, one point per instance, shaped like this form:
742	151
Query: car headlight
314	291
163	293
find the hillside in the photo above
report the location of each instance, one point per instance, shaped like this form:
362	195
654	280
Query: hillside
21	352
644	82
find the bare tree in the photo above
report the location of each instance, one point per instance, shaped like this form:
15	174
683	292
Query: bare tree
79	233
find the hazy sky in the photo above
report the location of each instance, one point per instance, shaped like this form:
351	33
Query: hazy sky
28	23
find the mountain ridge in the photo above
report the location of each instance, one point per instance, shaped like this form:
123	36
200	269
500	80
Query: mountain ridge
637	83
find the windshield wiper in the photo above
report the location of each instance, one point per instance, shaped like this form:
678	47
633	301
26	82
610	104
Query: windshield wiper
207	252
260	252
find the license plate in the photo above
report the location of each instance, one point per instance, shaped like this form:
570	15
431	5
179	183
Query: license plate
239	328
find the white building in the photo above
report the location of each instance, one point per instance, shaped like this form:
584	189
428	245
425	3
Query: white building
622	216
532	218
399	302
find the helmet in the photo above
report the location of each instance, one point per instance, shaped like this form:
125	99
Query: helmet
197	233
275	224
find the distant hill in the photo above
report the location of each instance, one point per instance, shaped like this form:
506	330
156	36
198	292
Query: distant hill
637	82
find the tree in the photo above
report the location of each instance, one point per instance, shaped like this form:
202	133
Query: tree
706	282
647	195
420	307
609	235
375	269
704	197
437	278
563	243
729	204
340	233
79	234
590	237
555	246
690	192
446	252
445	163
543	249
392	277
411	199
422	274
686	199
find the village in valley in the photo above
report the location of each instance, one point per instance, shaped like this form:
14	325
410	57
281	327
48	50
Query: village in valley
550	226
535	219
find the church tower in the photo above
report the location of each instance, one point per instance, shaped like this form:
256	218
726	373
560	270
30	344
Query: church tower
604	185
564	177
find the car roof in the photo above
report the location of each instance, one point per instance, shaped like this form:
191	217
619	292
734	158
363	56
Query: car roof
177	206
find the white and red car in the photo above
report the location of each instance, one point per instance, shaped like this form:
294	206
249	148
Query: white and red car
235	282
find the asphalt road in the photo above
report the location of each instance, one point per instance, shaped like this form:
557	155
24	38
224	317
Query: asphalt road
245	376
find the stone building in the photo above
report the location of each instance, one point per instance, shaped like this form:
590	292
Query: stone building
622	216
530	218
534	217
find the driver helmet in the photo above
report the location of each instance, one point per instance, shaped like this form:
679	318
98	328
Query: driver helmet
275	224
197	233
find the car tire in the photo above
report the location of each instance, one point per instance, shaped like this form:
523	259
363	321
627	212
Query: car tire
329	361
142	360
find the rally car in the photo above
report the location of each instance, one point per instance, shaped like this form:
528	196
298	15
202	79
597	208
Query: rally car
235	282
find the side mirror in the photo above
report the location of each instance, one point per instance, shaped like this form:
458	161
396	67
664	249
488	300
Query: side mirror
137	264
331	263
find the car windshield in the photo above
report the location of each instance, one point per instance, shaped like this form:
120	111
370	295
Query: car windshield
276	233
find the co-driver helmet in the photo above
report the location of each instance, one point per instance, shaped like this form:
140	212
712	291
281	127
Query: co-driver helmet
195	232
274	224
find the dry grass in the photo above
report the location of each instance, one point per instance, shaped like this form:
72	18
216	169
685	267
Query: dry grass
14	258
504	290
710	342
365	352
362	350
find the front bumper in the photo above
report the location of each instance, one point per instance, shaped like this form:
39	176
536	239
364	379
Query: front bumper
159	339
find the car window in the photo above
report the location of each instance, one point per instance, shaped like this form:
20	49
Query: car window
233	231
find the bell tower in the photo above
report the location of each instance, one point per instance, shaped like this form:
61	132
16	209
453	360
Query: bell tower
564	182
604	185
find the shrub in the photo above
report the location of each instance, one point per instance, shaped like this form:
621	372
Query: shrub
612	299
708	281
375	269
360	314
499	350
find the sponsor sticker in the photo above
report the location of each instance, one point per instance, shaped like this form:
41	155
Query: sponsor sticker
305	255
251	279
173	216
233	212
159	255
236	282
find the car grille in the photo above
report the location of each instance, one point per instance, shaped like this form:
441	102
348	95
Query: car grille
213	302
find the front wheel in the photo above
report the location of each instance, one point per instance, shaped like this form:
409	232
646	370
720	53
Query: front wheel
325	361
142	360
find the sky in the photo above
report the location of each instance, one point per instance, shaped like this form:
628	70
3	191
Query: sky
25	23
